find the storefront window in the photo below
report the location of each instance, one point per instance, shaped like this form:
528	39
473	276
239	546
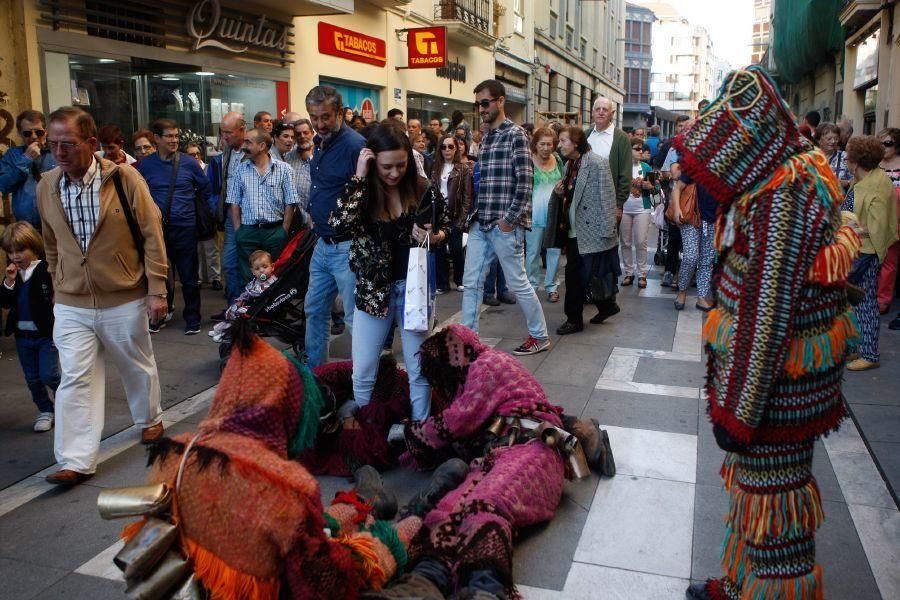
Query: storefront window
132	94
363	100
425	108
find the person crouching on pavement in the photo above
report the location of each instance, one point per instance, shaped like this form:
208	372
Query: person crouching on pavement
380	211
282	543
495	416
27	292
263	277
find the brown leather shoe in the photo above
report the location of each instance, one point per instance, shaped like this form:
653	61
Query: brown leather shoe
67	477
152	433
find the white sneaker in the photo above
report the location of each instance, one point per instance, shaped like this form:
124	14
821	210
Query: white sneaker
460	288
169	316
44	422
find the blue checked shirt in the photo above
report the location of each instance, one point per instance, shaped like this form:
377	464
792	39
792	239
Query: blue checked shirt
507	176
262	199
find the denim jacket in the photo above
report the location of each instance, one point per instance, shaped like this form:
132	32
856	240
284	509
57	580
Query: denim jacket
19	174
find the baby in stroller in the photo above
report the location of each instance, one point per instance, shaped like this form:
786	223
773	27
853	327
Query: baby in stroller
263	277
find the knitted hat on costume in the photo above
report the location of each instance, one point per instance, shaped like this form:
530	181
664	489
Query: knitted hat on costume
746	133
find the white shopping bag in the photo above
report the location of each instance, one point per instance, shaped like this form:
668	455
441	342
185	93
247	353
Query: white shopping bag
417	303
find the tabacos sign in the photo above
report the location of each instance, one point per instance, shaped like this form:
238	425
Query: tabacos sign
426	47
351	45
234	32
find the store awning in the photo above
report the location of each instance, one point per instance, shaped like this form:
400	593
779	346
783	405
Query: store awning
303	8
806	33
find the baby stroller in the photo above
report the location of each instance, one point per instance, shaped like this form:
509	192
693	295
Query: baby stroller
278	312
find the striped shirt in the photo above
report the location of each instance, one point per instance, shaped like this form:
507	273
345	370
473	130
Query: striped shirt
507	177
301	176
81	203
262	198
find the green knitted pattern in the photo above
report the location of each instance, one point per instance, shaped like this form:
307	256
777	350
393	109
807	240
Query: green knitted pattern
308	427
384	531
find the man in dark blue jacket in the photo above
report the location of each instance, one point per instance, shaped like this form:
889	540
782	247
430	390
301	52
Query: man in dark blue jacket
176	183
21	167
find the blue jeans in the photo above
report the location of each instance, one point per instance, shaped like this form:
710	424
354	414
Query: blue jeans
369	334
495	282
181	248
533	242
329	274
40	363
230	268
509	248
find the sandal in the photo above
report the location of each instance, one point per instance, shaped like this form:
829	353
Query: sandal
642	282
627	280
553	296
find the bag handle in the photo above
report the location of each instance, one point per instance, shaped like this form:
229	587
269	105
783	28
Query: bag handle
136	235
183	462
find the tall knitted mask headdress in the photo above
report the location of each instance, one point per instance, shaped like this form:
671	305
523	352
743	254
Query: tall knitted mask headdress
742	137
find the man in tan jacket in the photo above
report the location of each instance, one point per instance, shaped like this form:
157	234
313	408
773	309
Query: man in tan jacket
106	254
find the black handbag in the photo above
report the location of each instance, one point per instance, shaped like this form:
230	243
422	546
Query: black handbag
604	287
204	220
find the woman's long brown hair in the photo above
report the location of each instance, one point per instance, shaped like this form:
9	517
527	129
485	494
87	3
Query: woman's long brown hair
385	138
438	166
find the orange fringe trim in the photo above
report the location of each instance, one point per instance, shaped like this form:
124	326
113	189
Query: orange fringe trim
734	557
805	355
755	517
833	262
225	581
805	587
729	466
363	547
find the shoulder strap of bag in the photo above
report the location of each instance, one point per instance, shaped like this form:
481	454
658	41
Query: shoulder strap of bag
175	162
129	216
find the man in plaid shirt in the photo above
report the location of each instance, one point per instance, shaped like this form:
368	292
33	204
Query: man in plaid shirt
503	206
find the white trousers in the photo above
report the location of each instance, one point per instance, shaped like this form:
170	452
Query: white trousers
84	336
633	232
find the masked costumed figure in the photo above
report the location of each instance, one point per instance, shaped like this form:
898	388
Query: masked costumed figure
250	520
778	337
498	417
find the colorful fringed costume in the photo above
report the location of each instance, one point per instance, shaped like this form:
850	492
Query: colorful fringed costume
778	337
250	520
509	486
340	452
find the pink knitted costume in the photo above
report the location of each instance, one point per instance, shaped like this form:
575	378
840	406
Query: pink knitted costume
507	488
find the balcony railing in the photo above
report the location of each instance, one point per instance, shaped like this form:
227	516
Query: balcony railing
474	13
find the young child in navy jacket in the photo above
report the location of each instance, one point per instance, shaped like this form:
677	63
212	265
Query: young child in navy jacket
27	291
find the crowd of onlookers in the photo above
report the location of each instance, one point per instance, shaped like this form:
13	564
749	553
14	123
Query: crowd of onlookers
98	240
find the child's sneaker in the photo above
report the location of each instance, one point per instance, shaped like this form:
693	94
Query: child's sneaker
44	422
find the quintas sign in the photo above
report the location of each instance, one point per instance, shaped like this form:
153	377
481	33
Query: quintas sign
427	47
345	43
235	32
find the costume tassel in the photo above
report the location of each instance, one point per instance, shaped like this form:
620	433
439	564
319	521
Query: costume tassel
385	532
728	468
224	581
734	556
804	587
755	517
833	262
308	426
363	548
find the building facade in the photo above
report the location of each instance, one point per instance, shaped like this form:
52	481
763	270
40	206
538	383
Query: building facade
684	68
762	21
638	64
579	53
129	64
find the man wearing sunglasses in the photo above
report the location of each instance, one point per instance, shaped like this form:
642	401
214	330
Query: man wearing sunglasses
22	166
502	213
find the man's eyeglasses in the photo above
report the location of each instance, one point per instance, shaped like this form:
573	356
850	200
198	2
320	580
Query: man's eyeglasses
63	146
888	143
485	102
33	133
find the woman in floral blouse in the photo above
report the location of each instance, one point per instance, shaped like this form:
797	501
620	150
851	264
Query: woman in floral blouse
379	211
